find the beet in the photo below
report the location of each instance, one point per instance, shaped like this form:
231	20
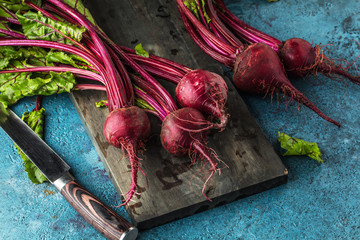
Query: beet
206	91
259	70
300	58
184	132
127	128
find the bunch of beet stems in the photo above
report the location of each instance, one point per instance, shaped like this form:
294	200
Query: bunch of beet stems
184	130
126	126
201	89
300	58
257	68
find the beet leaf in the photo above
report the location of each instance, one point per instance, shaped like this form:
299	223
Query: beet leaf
299	147
67	58
16	85
17	5
39	27
35	120
79	6
141	51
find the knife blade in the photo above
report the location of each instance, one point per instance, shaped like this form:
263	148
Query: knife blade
100	216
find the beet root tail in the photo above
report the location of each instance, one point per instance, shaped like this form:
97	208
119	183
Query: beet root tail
135	167
339	72
295	94
212	159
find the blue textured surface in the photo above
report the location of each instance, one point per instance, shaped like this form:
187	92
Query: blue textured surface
320	201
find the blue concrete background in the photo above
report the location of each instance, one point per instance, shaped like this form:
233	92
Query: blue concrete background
320	201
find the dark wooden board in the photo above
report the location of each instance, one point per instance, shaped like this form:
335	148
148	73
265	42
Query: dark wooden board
253	164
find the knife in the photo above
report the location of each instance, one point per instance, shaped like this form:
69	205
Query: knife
100	216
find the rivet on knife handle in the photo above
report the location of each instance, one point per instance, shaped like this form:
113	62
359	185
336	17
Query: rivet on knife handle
100	216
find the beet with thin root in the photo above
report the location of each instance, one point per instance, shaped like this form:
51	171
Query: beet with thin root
205	91
300	58
184	131
126	128
259	70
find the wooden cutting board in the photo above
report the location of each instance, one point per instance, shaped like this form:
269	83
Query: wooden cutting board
253	164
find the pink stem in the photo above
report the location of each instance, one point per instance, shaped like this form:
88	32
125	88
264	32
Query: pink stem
152	102
12	34
251	34
45	13
165	61
85	86
222	29
57	69
226	60
38	103
230	50
119	99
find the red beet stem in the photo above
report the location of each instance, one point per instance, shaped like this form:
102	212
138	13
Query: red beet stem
38	102
205	39
226	60
220	27
159	68
164	61
251	34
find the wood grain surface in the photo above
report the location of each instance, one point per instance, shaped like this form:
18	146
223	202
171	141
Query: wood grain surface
253	165
100	216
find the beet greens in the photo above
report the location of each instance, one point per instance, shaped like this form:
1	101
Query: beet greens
35	120
45	54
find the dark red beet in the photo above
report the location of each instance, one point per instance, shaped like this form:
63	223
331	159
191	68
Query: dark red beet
300	58
259	70
184	132
206	91
126	128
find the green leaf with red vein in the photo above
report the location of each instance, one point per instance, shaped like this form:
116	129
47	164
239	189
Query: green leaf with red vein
17	5
15	86
39	27
35	120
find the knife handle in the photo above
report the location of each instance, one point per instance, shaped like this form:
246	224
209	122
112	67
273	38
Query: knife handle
100	216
